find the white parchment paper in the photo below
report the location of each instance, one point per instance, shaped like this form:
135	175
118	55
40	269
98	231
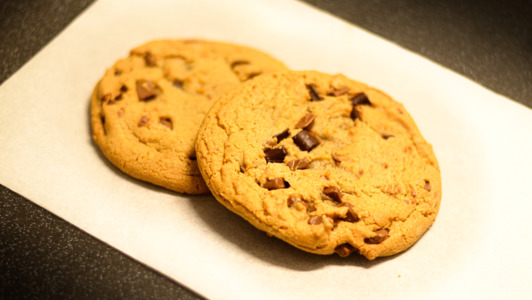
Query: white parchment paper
479	246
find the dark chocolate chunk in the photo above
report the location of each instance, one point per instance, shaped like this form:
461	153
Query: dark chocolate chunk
143	121
298	164
380	236
360	99
336	158
252	75
427	186
275	155
344	250
276	183
146	90
339	92
313	94
305	121
354	113
238	63
283	135
305	141
166	121
386	136
123	89
118	97
315	220
351	215
178	83
293	200
149	59
333	192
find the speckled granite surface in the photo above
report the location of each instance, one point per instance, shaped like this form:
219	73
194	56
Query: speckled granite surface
42	256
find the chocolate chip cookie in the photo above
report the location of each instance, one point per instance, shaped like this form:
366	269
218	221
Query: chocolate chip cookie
322	162
147	108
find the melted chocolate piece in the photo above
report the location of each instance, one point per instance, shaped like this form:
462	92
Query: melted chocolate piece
166	121
178	83
239	62
313	94
351	215
358	99
305	121
380	236
275	155
276	183
149	59
427	186
146	90
143	121
298	164
339	92
283	135
305	141
344	250
315	220
333	192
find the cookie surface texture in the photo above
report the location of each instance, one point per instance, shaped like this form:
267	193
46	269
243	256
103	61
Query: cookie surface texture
322	162
147	108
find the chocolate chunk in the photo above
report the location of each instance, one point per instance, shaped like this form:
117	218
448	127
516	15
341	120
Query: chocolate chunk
305	141
313	94
360	99
344	250
238	63
118	97
105	98
149	59
336	158
315	220
305	121
276	183
351	215
339	92
166	121
252	75
283	135
143	121
123	89
380	236
354	113
427	186
178	83
298	164
146	90
333	192
386	136
294	200
275	155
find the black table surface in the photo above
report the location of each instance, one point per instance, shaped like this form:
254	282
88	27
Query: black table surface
43	256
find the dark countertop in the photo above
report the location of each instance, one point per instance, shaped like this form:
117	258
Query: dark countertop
42	256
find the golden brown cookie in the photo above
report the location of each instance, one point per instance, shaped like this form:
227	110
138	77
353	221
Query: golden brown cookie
147	108
322	162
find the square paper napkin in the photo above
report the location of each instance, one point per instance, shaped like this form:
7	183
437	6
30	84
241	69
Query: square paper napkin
478	246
